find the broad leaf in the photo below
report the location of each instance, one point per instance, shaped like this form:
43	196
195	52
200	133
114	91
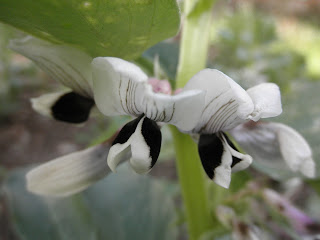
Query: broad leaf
122	206
122	28
199	7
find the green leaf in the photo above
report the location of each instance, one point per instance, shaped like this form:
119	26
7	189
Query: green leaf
122	206
122	28
130	206
24	206
199	7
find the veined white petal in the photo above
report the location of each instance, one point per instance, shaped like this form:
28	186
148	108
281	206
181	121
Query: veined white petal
245	102
226	103
65	64
118	86
121	87
43	104
272	144
140	138
182	110
267	100
69	174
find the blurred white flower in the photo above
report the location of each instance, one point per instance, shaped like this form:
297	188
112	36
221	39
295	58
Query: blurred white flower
273	144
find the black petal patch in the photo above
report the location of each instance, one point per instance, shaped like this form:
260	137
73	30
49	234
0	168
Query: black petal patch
235	160
210	150
72	108
127	130
152	135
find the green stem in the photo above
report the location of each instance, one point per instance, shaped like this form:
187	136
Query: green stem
193	55
194	43
192	185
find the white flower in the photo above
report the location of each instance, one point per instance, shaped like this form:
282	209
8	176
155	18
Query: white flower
116	87
226	106
272	144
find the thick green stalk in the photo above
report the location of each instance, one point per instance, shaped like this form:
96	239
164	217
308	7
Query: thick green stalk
194	43
193	55
192	185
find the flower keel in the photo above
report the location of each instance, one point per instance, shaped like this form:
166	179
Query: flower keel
140	138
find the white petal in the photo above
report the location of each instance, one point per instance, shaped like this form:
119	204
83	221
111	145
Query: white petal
140	160
226	103
245	160
272	144
117	154
182	110
69	174
295	150
121	88
116	83
65	64
222	174
43	104
267	100
244	101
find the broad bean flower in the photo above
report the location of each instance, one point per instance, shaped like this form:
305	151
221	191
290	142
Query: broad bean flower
276	145
230	108
210	104
226	106
115	87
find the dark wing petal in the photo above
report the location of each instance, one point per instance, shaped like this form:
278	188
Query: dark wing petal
72	107
210	149
152	136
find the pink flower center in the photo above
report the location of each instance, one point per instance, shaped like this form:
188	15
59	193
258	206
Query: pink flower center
160	86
